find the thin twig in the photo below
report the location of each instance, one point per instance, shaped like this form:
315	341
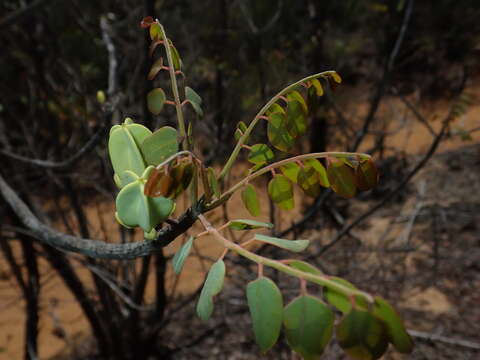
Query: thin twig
439	338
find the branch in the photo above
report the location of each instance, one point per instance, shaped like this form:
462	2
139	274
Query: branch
94	140
112	59
96	248
320	279
444	339
395	191
25	11
385	77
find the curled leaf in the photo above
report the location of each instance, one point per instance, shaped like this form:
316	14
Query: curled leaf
247	224
146	22
292	245
317	86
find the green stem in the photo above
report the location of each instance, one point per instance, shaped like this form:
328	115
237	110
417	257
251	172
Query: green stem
317	279
268	168
178	107
176	96
257	117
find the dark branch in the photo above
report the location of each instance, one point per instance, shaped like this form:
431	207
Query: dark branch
94	140
96	248
24	12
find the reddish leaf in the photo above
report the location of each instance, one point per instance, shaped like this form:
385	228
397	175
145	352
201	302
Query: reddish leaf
146	22
366	175
158	184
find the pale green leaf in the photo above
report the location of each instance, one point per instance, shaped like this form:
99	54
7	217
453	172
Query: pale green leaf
160	145
194	99
292	245
304	266
212	286
180	256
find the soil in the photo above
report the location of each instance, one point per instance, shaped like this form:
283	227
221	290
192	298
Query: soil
422	252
